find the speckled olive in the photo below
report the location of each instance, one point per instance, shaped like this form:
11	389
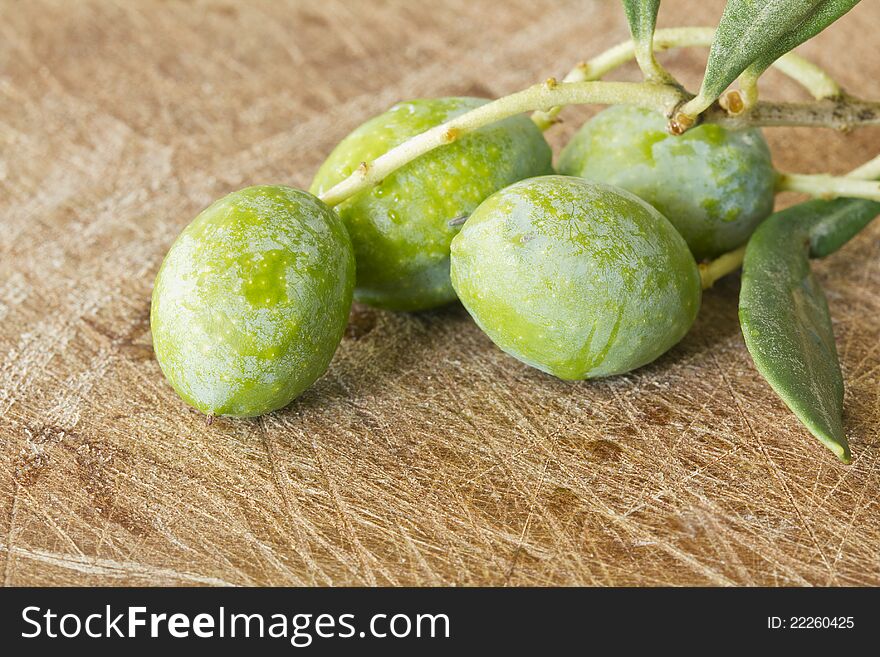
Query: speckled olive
576	278
400	228
251	301
715	185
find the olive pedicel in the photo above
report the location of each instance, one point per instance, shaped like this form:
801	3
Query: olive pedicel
587	274
401	228
578	279
715	185
252	300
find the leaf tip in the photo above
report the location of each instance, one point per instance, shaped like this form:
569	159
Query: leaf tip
841	450
834	441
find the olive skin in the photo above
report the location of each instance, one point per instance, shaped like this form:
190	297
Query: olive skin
251	301
576	278
400	228
715	185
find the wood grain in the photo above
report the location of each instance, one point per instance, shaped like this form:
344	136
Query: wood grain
424	456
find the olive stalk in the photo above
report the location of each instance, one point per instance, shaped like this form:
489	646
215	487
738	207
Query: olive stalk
868	171
723	265
828	187
810	76
842	113
542	96
815	80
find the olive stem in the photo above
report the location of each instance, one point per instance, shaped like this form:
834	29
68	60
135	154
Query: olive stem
842	113
720	267
831	108
825	186
538	97
651	69
868	171
811	77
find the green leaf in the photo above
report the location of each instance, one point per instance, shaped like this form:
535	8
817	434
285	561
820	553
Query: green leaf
784	315
837	222
749	30
642	18
824	15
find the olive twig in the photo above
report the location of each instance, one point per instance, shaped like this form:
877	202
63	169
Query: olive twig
808	75
861	182
546	98
814	79
842	114
868	171
811	77
542	96
748	93
827	187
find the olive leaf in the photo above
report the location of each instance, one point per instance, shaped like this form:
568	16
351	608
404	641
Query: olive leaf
642	18
838	222
757	32
784	315
824	15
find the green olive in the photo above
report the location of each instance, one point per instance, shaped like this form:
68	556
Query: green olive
576	278
252	300
715	185
400	229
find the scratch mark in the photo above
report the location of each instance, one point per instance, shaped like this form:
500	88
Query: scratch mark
777	472
115	569
8	571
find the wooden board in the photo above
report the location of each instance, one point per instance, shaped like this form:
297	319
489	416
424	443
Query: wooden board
425	456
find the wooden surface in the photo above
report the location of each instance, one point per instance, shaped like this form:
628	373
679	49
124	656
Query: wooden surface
424	456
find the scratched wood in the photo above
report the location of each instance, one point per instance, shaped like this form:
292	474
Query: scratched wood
424	456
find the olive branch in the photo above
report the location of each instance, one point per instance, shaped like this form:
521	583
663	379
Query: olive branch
781	312
831	108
